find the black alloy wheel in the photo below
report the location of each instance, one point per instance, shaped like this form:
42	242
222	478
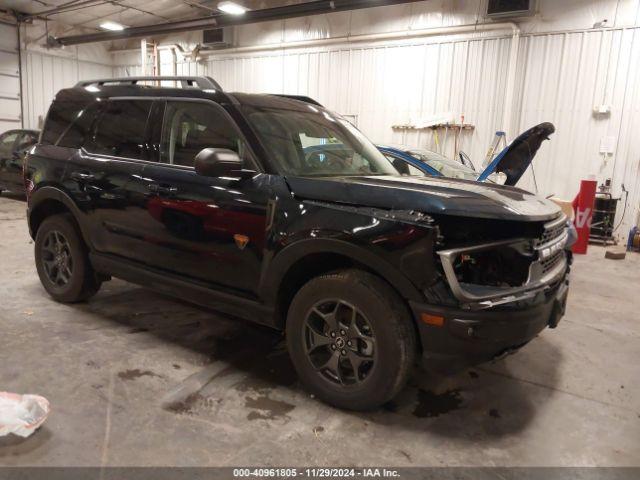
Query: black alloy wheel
351	339
57	259
340	342
62	260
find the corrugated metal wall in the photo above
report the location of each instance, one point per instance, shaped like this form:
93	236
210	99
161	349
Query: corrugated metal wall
43	75
380	85
9	78
560	78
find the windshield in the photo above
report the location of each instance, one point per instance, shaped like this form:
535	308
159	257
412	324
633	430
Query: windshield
316	143
447	167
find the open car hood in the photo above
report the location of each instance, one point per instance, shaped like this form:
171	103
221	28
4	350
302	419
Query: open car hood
514	160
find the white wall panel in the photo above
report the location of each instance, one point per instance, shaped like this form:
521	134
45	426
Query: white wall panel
564	69
9	79
386	85
43	75
563	77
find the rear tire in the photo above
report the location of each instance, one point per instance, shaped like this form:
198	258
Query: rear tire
62	260
351	339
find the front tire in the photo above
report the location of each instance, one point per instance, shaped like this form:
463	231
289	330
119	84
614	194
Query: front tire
62	260
351	339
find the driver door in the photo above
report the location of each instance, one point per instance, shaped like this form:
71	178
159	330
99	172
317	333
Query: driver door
205	228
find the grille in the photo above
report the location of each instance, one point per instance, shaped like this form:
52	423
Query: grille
549	263
552	230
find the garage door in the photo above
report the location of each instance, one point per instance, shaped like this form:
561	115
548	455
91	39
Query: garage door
9	78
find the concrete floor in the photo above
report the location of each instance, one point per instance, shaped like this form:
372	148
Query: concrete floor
135	378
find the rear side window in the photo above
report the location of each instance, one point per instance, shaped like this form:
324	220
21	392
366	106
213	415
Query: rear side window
61	116
69	123
78	132
121	129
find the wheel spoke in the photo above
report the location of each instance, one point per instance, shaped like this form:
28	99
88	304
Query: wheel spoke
329	318
48	266
56	242
333	365
67	272
357	334
356	360
317	340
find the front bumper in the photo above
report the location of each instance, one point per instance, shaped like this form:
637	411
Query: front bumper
469	337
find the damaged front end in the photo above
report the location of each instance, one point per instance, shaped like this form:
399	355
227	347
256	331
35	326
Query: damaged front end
504	271
500	285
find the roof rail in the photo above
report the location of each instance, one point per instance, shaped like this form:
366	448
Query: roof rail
203	83
301	98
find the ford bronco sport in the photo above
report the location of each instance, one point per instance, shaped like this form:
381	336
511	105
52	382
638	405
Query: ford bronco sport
210	196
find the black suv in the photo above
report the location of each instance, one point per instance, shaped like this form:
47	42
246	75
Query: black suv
227	200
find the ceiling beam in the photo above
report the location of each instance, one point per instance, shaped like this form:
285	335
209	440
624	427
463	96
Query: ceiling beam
316	7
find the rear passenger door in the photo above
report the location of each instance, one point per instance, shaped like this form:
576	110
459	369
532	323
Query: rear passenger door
100	176
207	229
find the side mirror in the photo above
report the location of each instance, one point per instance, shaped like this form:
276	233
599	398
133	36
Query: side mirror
220	162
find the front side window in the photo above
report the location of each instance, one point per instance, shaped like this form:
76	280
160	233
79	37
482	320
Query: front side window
190	127
120	130
315	143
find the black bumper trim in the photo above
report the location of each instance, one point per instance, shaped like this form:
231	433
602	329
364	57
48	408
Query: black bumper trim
470	337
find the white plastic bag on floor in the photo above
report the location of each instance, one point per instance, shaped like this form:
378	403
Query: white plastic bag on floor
22	414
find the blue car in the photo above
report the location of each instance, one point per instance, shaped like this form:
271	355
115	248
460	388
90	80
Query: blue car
415	161
511	162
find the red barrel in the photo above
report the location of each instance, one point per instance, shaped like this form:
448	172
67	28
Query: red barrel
583	209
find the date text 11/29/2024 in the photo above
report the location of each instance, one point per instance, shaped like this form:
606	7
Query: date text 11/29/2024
316	472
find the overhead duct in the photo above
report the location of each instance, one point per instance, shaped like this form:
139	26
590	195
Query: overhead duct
223	20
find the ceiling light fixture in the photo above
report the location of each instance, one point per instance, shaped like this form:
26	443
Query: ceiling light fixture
231	8
113	26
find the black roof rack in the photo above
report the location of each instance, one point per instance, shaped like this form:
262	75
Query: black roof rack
203	83
301	98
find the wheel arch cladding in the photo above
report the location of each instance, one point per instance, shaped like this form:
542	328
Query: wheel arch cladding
48	201
298	263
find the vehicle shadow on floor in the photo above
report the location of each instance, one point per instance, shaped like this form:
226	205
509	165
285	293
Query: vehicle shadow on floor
490	400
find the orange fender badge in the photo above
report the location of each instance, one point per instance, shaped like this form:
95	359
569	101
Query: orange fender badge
241	240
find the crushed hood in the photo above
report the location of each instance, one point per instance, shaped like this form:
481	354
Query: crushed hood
435	195
514	160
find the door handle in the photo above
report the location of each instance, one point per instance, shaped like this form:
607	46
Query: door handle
83	177
162	189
